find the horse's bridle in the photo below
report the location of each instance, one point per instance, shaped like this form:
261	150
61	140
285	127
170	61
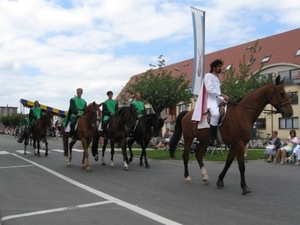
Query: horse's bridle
278	106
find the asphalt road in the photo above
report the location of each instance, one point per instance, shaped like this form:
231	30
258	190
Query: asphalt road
42	190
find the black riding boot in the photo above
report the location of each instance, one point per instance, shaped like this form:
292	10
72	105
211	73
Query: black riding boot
213	137
104	129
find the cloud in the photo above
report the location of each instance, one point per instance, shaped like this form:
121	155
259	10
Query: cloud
50	48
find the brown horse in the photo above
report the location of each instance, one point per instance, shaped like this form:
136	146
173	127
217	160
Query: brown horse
118	128
235	130
86	127
40	129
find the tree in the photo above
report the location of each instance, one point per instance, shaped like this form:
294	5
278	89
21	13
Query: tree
237	85
12	120
160	88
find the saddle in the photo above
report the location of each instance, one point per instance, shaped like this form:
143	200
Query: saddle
222	111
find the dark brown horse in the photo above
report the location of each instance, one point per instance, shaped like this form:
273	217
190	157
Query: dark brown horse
40	129
118	128
86	128
147	127
235	130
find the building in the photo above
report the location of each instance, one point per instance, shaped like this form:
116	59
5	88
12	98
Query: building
279	55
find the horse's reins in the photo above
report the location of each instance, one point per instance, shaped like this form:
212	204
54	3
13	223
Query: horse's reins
264	110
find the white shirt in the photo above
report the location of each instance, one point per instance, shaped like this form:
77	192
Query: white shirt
212	86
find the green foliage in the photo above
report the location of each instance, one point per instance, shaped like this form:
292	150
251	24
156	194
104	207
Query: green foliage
12	120
237	85
160	88
217	156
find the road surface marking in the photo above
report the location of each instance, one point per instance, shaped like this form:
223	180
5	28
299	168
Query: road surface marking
127	205
55	210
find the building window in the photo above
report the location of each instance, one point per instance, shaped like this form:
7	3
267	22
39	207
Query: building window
182	108
251	61
298	52
261	123
228	67
265	59
293	96
167	111
289	123
149	110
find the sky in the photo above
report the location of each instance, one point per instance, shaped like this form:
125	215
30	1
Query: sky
49	48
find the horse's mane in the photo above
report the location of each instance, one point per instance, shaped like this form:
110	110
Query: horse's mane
122	109
150	115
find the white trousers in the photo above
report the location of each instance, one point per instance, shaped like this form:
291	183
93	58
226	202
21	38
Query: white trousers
214	112
297	151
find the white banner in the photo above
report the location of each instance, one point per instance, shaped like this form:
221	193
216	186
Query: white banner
198	17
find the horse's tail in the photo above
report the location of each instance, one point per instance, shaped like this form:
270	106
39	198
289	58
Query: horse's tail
177	134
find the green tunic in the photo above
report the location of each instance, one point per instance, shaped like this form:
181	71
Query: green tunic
34	114
109	108
140	108
78	107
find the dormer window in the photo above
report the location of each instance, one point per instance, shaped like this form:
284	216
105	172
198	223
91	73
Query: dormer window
265	59
228	67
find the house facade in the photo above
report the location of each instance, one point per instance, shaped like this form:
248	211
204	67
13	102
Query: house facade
279	55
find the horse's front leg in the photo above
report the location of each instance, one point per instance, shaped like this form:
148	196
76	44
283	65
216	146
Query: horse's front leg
46	146
229	160
130	143
185	156
144	153
69	164
123	147
112	152
199	155
85	159
242	168
103	151
38	148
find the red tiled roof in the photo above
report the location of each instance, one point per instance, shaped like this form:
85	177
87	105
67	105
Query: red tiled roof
281	48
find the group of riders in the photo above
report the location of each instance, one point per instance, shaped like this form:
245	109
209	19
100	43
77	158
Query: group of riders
209	98
76	110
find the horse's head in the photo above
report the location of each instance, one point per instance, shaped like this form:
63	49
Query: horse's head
91	111
47	118
157	124
280	100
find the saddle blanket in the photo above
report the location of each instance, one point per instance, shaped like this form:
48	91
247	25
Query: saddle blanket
203	123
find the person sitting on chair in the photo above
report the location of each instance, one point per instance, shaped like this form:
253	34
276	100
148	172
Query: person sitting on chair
76	109
212	97
140	109
287	147
273	145
109	108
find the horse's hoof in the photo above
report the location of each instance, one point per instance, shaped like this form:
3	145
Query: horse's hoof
141	164
69	165
130	160
103	164
88	170
111	166
46	154
25	153
147	166
126	168
220	184
246	191
96	158
189	181
206	181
